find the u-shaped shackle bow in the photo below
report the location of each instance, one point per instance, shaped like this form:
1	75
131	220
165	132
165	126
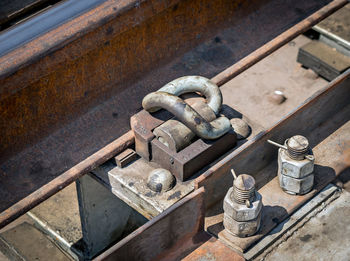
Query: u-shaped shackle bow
167	98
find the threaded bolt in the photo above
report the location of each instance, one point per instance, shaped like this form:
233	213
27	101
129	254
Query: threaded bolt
297	147
243	189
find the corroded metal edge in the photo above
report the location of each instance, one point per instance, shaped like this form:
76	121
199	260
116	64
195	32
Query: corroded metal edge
175	226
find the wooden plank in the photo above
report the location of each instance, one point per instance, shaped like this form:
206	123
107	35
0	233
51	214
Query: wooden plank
178	227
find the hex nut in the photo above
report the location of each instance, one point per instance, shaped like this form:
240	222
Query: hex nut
241	212
294	168
296	186
242	228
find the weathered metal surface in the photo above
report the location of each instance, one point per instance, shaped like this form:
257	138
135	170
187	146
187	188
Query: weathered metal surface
194	157
325	60
329	193
104	217
41	75
187	115
19	243
130	185
190	84
273	45
214	250
324	234
65	179
175	135
176	228
125	157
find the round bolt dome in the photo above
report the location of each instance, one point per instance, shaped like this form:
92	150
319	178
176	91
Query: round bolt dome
244	182
160	180
243	188
240	127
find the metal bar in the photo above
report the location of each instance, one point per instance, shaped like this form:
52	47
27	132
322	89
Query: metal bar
343	42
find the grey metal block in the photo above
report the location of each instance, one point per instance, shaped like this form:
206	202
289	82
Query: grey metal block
104	216
324	60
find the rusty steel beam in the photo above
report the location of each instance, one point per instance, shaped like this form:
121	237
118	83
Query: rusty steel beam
216	250
50	87
179	227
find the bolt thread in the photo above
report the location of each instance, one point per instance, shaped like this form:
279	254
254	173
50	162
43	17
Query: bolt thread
297	154
241	196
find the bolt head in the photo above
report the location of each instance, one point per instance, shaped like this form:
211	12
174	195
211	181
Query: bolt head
277	97
240	127
298	142
160	180
240	212
244	182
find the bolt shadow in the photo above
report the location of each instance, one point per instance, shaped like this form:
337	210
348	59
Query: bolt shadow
323	176
343	179
272	217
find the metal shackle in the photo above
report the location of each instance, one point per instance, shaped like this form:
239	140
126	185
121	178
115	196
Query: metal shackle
188	84
169	101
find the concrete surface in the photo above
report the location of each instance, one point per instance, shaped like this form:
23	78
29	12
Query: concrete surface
298	218
61	213
326	236
21	243
13	224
